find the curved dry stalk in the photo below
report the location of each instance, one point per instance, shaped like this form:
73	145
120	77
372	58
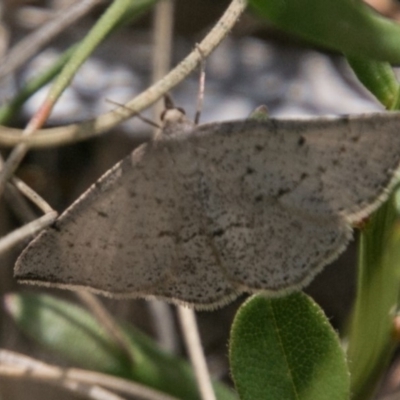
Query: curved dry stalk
9	241
163	24
162	318
91	128
16	188
187	319
19	204
17	366
30	194
31	44
92	392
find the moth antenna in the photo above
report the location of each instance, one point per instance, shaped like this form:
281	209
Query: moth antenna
202	80
138	115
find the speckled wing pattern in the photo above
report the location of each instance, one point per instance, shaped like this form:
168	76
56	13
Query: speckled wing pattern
227	208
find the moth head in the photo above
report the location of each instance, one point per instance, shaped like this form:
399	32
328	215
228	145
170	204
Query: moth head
175	122
174	115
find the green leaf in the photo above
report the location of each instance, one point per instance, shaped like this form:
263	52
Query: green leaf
347	26
379	78
73	333
60	327
371	342
260	113
285	348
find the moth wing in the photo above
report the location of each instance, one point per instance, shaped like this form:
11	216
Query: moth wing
281	196
138	232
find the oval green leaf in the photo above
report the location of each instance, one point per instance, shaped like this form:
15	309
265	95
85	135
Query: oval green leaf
285	348
347	26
